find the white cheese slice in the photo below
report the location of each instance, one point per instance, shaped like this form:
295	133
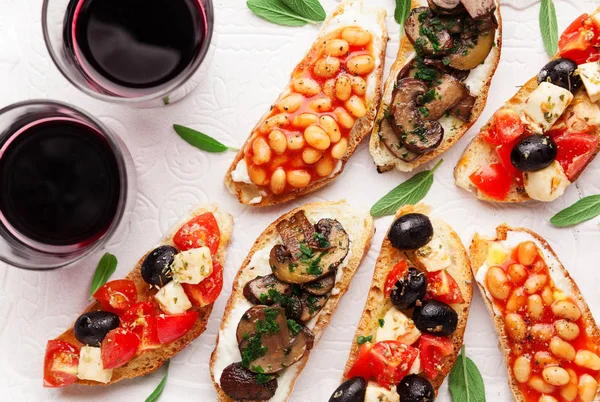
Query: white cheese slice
192	266
377	393
434	255
547	184
172	299
90	366
397	326
590	75
240	173
545	105
416	367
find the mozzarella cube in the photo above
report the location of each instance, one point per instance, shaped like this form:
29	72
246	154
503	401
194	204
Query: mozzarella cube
172	299
434	255
377	393
192	266
590	75
397	326
545	105
547	184
90	365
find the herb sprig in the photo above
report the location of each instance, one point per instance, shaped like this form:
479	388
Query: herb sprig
155	395
201	140
583	210
402	11
466	383
291	13
549	27
106	267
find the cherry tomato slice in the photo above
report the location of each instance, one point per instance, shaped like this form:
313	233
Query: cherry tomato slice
207	291
503	152
61	364
141	320
117	296
390	362
575	150
398	271
576	42
172	327
506	127
118	348
493	180
433	349
441	286
201	231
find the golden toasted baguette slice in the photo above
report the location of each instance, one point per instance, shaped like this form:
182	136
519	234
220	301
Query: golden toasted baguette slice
376	322
357	223
305	139
547	333
478	82
150	360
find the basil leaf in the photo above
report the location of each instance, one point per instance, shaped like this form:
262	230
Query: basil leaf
466	383
201	140
549	27
402	11
411	191
277	12
154	396
106	267
583	210
311	9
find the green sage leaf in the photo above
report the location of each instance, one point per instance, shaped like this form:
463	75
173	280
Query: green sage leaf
277	12
106	267
549	27
466	383
155	395
402	11
583	210
201	140
311	9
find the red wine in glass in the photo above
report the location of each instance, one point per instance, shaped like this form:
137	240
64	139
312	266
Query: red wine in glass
129	47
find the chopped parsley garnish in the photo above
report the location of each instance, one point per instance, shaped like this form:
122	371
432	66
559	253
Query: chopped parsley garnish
261	377
294	327
424	111
321	240
305	252
253	351
314	268
381	322
364	339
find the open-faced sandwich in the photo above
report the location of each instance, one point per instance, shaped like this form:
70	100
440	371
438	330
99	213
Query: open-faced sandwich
327	108
139	322
414	320
438	86
283	298
541	140
550	340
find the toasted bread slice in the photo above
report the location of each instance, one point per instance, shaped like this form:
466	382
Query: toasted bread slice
360	228
454	128
151	360
479	253
350	13
378	304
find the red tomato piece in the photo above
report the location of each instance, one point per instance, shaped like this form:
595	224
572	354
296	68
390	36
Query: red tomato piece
362	367
575	151
207	291
140	319
201	231
441	286
117	296
492	180
576	42
61	364
118	348
503	152
433	349
390	362
172	327
398	271
506	127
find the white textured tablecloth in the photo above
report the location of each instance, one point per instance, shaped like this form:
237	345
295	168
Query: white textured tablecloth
248	62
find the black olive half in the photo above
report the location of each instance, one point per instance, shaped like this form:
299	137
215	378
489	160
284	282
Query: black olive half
414	388
156	267
91	328
533	153
410	232
435	318
561	72
352	390
408	290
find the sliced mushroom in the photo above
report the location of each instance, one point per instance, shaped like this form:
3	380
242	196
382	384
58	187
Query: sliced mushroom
439	64
261	316
443	7
451	91
479	8
311	305
295	231
464	108
427	38
240	384
472	52
416	134
293	308
392	141
321	286
257	290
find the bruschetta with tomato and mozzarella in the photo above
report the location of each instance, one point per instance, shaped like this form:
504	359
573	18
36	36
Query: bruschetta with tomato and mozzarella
137	323
412	327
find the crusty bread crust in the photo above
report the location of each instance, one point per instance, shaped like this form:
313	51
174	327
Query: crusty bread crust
361	128
379	150
151	360
359	249
377	304
478	255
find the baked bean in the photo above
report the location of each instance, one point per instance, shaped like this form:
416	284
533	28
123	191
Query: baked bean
356	107
537	383
329	88
278	181
327	67
539	265
311	155
317	138
356	36
359	86
522	369
290	103
527	252
535	307
566	309
566	330
339	150
361	65
322	104
336	47
516	300
516	327
273	122
517	273
344	118
547	296
535	283
542	332
298	178
343	87
561	349
556	376
280	160
569	391
588	387
295	141
261	150
304	120
325	166
497	283
543	359
306	86
547	398
587	359
331	128
278	141
258	175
